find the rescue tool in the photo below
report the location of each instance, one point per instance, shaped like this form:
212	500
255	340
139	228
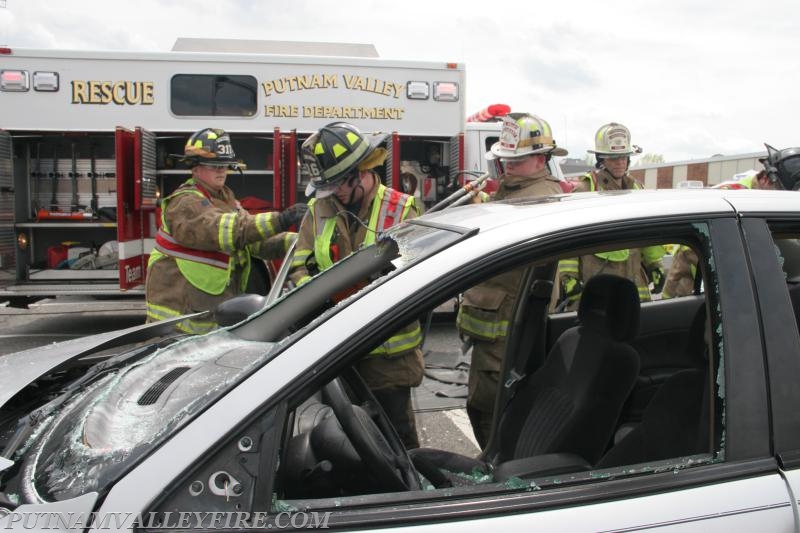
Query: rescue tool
466	193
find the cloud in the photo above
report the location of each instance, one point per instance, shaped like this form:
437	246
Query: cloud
689	79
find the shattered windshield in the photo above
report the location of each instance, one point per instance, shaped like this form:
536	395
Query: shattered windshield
86	443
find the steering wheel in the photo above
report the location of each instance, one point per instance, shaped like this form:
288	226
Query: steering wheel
386	460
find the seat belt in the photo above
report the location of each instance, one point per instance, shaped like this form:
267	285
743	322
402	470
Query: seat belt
539	293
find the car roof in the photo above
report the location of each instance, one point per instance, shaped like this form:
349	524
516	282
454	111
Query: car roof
566	211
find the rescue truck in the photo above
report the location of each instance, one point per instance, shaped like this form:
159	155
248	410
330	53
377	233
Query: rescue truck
86	138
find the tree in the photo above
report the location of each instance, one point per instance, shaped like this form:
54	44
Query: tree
650	159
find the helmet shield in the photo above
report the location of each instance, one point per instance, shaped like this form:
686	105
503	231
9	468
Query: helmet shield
524	135
332	154
210	147
613	139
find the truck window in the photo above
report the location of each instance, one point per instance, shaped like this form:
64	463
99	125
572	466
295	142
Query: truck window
213	95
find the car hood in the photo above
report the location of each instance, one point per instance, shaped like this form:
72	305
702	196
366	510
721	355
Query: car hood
18	370
119	412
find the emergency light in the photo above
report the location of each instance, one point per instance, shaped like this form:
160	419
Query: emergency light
445	91
14	80
45	81
418	90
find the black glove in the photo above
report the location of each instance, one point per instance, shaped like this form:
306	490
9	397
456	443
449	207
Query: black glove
657	277
292	215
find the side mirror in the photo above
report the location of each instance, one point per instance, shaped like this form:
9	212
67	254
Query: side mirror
236	309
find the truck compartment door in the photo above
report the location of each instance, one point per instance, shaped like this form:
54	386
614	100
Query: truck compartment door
288	149
279	181
7	240
135	214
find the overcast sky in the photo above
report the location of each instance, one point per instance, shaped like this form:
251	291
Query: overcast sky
690	79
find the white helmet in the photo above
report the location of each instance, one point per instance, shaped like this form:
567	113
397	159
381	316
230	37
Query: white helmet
614	139
524	135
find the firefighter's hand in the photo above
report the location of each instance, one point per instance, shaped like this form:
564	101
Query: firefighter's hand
657	277
571	287
292	215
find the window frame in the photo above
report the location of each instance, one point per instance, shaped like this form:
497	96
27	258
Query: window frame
781	343
747	442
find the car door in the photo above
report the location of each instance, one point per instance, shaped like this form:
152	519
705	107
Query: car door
737	487
774	249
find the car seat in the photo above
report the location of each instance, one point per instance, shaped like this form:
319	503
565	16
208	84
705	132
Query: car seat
572	403
676	421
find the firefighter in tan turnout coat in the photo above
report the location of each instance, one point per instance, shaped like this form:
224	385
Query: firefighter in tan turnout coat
206	240
613	150
350	207
526	145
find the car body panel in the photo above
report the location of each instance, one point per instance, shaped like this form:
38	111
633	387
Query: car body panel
19	369
735	495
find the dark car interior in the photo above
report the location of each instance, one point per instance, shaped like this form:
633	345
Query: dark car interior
616	383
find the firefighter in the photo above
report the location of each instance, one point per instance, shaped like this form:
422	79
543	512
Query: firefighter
525	147
781	172
350	207
613	151
204	245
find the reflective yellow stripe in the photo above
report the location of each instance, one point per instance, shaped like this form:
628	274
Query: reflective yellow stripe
568	266
302	280
616	256
194	327
300	258
264	224
485	329
588	176
159	312
410	202
644	294
226	224
369	238
401	342
322	245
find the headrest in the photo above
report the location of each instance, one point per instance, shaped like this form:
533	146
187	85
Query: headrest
610	303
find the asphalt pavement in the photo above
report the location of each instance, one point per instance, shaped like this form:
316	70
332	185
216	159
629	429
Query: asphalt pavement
65	318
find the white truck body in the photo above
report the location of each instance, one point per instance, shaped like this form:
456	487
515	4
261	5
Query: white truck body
85	139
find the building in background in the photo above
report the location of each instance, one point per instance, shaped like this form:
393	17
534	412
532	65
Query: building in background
711	171
670	175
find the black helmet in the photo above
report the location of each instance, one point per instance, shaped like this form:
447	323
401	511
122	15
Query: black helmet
210	147
331	154
783	167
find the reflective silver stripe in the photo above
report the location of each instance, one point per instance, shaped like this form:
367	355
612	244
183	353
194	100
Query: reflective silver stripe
300	257
398	213
264	224
400	343
184	255
226	224
483	328
384	209
195	327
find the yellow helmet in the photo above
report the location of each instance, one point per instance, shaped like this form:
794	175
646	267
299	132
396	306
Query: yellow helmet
613	139
523	135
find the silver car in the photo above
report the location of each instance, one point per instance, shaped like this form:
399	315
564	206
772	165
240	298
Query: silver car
627	415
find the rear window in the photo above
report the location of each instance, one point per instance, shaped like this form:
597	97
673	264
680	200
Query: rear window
213	95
